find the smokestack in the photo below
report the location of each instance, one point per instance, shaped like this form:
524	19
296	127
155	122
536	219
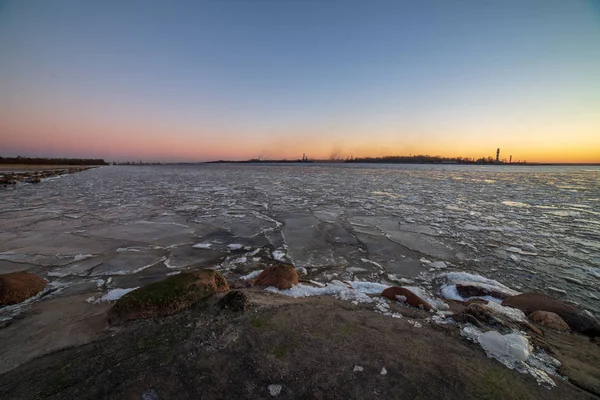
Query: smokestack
498	155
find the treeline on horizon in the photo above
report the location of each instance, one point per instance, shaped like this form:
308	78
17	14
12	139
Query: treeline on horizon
416	159
427	159
51	161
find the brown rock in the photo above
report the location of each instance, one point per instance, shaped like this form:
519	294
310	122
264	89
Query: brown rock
168	296
549	319
19	286
577	320
411	298
282	276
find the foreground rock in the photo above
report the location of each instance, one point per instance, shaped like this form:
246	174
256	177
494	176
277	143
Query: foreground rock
406	296
550	320
281	276
577	320
169	296
17	287
211	352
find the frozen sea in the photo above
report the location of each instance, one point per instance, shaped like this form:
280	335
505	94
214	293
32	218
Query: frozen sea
531	228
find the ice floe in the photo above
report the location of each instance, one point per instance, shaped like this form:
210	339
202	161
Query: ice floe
114	294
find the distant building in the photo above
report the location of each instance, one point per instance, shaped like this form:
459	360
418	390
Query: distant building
498	155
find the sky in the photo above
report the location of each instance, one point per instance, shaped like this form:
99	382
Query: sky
207	80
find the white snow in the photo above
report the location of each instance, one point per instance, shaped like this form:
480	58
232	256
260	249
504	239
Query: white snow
450	292
251	275
301	271
274	389
335	288
358	368
114	294
279	255
512	313
383	371
368	287
235	246
239	260
81	257
366	260
202	245
435	303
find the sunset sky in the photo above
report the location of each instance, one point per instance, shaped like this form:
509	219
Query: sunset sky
205	80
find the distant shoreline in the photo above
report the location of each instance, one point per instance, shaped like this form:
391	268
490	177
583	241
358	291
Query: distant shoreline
531	164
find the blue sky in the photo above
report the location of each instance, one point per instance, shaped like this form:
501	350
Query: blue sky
236	79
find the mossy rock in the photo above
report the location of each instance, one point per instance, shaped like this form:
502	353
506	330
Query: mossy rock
168	297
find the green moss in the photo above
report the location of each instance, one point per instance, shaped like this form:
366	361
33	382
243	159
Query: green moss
497	383
348	329
258	321
280	351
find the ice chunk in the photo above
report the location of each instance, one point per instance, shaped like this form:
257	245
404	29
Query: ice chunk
202	245
358	368
438	265
235	246
383	371
512	347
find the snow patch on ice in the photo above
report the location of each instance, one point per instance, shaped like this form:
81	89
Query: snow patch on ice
335	288
434	302
204	246
235	246
114	294
450	292
81	257
368	287
515	204
366	260
251	275
279	255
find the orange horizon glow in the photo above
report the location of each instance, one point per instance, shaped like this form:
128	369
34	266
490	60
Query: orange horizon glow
182	145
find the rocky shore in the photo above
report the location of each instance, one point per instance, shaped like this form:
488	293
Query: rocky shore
273	333
33	174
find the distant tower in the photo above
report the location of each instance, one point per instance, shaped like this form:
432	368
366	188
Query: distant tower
498	155
510	162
